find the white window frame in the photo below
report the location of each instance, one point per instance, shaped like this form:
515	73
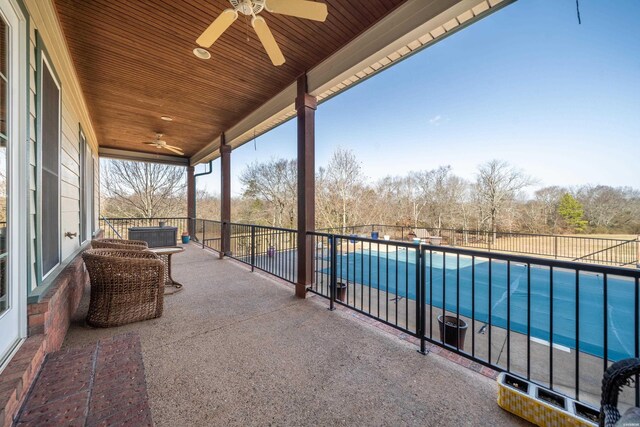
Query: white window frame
88	187
84	200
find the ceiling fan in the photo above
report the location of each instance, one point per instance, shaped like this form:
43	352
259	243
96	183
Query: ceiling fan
301	8
159	143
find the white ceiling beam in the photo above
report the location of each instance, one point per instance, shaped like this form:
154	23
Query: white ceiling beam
138	156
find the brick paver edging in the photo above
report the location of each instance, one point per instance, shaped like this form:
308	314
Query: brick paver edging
101	384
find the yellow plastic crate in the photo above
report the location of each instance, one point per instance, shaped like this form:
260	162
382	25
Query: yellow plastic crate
526	404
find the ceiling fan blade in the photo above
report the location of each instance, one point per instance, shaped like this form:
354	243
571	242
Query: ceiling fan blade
152	143
266	37
217	27
174	149
300	8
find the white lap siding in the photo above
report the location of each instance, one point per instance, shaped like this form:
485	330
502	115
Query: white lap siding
73	115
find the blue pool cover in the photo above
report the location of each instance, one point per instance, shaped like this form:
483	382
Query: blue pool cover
395	273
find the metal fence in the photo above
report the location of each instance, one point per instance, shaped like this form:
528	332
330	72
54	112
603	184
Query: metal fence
596	250
208	233
270	249
557	323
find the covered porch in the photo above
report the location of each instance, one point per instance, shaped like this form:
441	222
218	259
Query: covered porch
104	79
237	348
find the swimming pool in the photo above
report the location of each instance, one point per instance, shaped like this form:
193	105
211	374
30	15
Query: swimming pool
395	272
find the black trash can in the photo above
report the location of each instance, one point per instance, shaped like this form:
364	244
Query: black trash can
450	333
341	291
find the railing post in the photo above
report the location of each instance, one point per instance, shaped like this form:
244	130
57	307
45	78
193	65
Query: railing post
334	273
423	307
419	298
555	247
253	247
203	235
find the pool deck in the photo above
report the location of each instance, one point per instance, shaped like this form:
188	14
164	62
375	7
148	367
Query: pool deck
560	373
402	312
237	348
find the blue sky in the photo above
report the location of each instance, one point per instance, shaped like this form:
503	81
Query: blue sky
528	85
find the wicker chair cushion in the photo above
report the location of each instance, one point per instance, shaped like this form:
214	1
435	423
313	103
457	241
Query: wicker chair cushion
126	286
119	244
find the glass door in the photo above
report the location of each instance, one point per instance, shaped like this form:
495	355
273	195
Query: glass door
4	291
10	286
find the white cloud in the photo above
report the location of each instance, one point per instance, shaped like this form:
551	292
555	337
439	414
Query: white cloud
435	120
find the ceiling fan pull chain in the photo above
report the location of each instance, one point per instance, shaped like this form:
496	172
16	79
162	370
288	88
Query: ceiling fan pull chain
246	27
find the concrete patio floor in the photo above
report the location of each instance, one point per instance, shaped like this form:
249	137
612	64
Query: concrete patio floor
237	348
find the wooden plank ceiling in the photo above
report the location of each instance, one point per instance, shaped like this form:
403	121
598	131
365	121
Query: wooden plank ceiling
135	64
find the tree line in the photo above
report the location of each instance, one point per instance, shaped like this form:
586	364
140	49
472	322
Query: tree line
496	200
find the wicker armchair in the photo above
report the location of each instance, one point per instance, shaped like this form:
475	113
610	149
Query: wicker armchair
618	375
119	244
126	286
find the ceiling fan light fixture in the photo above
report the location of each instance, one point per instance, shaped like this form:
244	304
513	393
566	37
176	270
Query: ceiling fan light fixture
305	9
201	53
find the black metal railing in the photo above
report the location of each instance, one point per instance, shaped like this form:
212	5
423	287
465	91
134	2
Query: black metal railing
596	250
270	249
118	228
208	233
355	270
557	323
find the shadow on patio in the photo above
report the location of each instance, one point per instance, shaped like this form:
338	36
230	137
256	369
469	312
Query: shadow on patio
237	348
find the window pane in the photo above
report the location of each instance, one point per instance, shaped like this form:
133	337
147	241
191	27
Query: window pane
3	77
3	193
50	124
89	188
3	107
3	224
3	167
82	146
3	48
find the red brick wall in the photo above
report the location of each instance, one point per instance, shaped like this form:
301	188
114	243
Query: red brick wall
52	315
48	322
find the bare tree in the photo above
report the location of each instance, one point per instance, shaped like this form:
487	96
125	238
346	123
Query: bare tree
208	205
339	188
444	196
498	183
274	183
390	206
142	189
547	200
435	198
414	192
